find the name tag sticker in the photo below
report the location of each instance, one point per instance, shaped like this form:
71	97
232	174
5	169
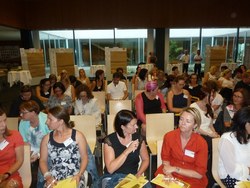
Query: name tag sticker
3	144
185	96
189	153
68	142
63	103
190	87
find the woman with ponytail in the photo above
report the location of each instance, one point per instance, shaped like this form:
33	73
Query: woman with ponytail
206	129
66	149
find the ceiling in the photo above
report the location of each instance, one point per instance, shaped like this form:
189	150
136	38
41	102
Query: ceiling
103	14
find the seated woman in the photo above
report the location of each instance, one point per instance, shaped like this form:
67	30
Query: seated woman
33	128
150	101
193	87
141	80
234	150
44	90
83	78
59	98
178	98
240	99
11	155
65	147
226	83
87	104
99	83
184	152
123	150
69	88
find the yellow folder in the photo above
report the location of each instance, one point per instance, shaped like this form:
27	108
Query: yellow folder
66	183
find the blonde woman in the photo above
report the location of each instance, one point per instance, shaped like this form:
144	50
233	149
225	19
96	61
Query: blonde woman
211	75
83	78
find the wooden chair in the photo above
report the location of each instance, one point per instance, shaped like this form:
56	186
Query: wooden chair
110	123
100	96
12	123
25	170
101	99
86	124
159	147
117	105
157	125
215	161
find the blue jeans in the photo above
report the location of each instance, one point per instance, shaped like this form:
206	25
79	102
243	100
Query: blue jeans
91	167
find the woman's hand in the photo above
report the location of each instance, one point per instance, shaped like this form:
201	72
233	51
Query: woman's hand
133	146
214	135
50	182
76	178
167	170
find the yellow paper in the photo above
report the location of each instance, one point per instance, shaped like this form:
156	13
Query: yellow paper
243	184
132	181
66	183
171	183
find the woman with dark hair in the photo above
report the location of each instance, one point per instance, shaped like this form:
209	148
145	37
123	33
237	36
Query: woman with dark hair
98	84
206	129
123	150
234	150
33	128
59	98
206	111
86	103
65	147
44	90
141	80
193	87
150	101
11	155
240	99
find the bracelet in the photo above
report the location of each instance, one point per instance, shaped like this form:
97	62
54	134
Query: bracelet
8	174
46	174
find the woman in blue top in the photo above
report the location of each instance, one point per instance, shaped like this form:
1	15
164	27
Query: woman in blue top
33	128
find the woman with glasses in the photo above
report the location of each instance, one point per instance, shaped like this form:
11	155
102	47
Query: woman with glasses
240	99
86	104
59	98
33	128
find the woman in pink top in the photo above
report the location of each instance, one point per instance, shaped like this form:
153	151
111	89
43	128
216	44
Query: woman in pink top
150	101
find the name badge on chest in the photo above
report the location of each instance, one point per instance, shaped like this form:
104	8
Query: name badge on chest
189	153
68	142
3	144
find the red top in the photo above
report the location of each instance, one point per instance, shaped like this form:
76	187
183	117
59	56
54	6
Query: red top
8	155
193	157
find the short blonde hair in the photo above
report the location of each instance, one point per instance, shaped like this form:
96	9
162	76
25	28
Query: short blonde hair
195	113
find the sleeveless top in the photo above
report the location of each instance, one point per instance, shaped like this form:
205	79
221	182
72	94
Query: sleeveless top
100	88
131	163
151	106
179	101
65	161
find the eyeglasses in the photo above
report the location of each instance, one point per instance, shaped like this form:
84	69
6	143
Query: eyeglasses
237	96
22	113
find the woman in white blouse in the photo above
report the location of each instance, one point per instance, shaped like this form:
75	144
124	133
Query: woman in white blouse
234	150
86	104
